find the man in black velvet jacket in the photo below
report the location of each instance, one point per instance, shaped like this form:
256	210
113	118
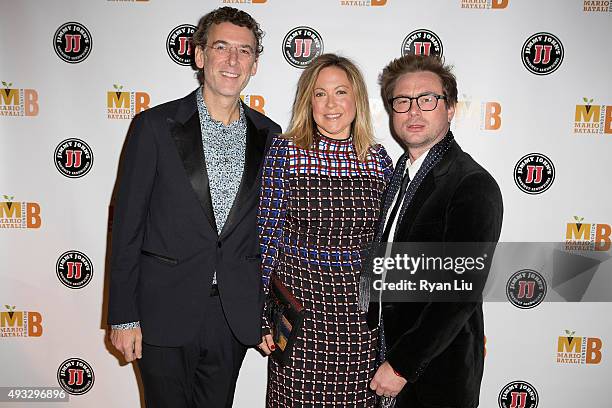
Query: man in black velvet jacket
435	351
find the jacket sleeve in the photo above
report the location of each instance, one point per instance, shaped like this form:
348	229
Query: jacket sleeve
474	214
129	215
272	212
385	162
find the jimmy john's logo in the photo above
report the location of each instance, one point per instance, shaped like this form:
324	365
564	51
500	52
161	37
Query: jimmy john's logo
363	3
542	53
422	42
534	173
75	376
244	1
15	214
597	6
255	102
20	323
17	102
72	42
122	104
73	158
178	44
74	269
518	394
489	113
573	349
591	118
526	289
301	45
583	236
484	4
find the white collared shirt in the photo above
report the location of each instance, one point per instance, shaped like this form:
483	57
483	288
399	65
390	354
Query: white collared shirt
412	169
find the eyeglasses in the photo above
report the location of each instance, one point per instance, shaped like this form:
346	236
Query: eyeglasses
222	49
426	102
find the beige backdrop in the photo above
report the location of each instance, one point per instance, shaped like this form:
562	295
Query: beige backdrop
505	112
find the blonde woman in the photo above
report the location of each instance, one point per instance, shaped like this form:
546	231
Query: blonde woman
323	184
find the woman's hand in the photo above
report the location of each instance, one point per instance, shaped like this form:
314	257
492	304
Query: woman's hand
267	345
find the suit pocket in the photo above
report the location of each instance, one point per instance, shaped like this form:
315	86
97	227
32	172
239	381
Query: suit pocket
251	258
164	259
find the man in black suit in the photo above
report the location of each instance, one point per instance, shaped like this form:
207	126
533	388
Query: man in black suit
435	351
185	280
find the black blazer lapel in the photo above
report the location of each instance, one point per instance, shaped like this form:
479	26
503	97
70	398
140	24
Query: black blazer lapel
187	136
427	187
390	193
420	196
254	154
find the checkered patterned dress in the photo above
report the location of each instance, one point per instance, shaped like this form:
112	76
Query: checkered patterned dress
318	209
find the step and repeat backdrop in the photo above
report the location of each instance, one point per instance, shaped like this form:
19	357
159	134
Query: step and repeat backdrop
535	109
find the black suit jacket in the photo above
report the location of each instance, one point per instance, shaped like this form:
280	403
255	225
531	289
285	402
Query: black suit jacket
439	347
165	246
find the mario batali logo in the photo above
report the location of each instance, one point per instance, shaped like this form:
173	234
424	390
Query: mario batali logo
18	102
489	112
583	236
578	350
484	4
122	104
255	102
301	45
590	118
363	3
14	214
72	42
20	323
597	6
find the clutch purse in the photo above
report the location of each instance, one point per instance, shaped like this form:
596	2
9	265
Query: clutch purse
286	315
